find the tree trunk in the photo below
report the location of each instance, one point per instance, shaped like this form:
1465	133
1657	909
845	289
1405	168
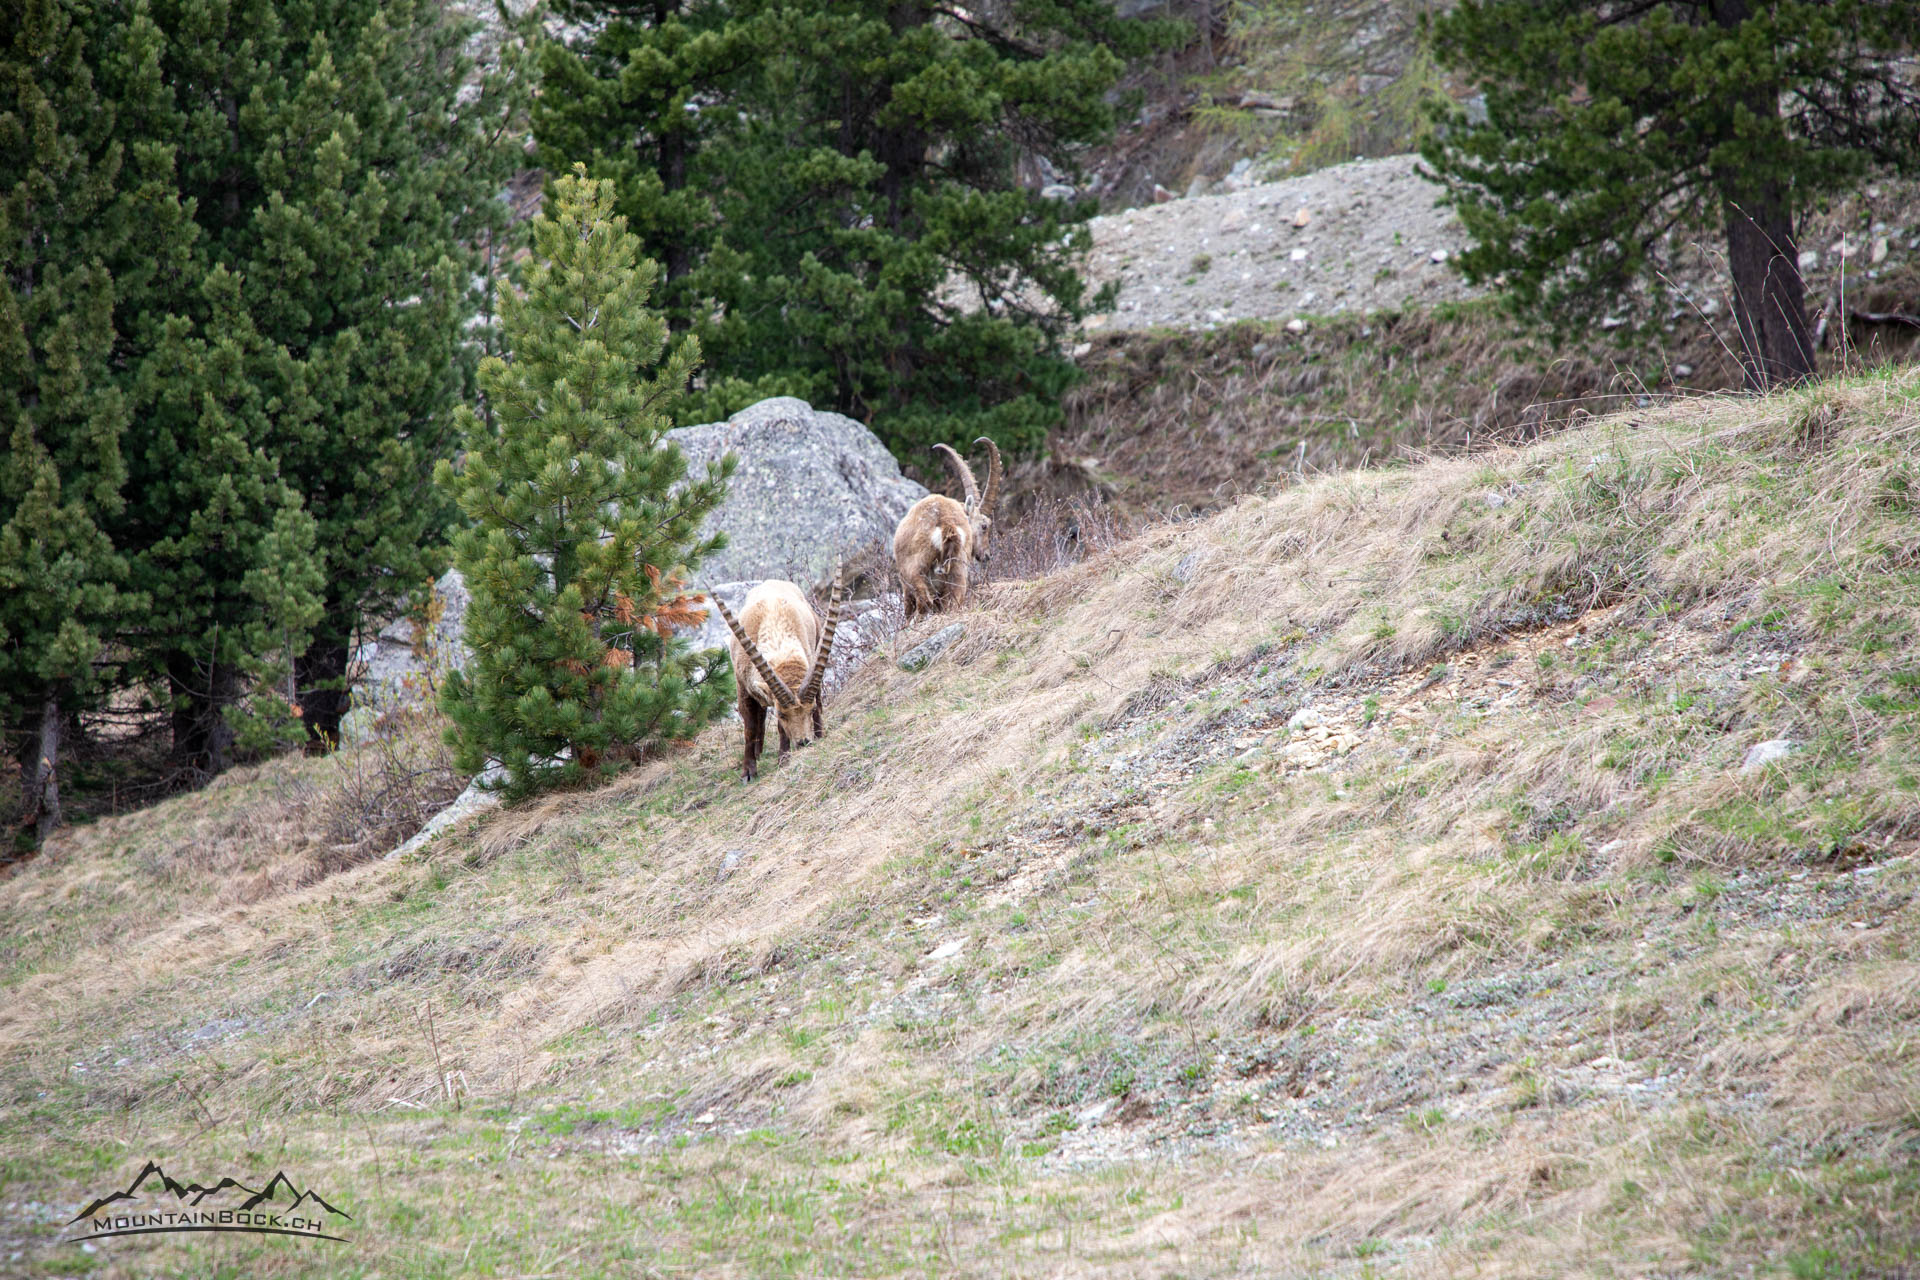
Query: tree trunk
43	780
320	676
202	738
1769	298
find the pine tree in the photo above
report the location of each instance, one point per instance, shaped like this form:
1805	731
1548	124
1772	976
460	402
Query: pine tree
342	162
584	519
1611	123
69	214
844	162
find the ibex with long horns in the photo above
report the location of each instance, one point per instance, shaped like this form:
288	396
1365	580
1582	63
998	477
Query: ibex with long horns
780	651
939	539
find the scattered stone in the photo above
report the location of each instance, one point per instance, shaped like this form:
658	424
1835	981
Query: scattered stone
1184	571
1879	253
1766	753
1094	1114
1056	191
921	656
705	1117
945	951
1683	371
1296	325
1809	259
1161	195
1438	255
1298	255
475	799
729	862
1302	218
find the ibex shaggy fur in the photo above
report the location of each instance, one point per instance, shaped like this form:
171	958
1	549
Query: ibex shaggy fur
780	652
939	539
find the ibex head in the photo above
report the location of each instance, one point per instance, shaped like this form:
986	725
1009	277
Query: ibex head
792	682
979	505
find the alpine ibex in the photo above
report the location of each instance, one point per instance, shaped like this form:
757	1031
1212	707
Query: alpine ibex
780	651
938	539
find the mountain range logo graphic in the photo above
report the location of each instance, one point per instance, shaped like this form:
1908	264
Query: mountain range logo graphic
156	1202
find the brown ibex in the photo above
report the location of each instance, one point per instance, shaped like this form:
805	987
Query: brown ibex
939	539
780	651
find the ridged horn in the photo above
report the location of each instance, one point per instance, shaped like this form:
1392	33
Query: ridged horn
811	692
963	473
781	694
994	470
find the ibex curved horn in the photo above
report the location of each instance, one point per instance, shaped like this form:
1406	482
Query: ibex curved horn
994	470
963	473
811	691
777	686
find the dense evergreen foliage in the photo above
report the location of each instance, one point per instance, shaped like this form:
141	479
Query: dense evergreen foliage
833	189
584	520
1610	123
341	163
238	269
68	208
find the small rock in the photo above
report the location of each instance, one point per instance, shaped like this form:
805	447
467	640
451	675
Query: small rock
1217	316
1094	1114
922	655
1302	218
1438	255
1056	191
1161	195
1612	322
1683	371
1766	753
1183	572
1879	253
1296	325
1298	255
729	862
705	1117
1809	259
945	951
1235	220
1306	718
1082	350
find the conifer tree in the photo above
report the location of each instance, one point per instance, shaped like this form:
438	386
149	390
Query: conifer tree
838	164
1612	122
341	160
584	519
83	225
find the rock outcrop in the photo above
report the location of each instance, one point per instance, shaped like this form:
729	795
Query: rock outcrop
812	487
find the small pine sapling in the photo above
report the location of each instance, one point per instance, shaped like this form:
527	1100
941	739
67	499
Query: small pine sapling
585	522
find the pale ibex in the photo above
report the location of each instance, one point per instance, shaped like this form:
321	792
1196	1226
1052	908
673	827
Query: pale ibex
780	651
938	539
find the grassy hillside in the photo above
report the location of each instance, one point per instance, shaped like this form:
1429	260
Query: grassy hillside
1364	881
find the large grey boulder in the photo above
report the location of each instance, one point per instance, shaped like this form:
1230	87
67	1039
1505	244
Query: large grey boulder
812	488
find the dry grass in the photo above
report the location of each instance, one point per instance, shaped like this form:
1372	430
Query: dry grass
1503	969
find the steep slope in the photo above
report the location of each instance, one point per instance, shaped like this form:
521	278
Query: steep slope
1503	865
